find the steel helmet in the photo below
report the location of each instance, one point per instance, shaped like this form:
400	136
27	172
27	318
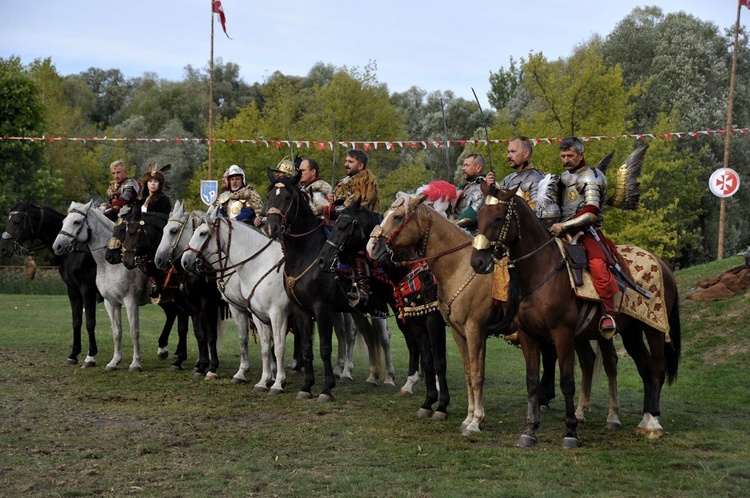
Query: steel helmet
235	170
286	167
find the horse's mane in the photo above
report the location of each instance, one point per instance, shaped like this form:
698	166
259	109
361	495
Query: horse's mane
292	185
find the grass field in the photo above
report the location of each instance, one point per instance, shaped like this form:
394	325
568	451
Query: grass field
65	431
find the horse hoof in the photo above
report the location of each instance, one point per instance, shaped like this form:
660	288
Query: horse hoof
371	383
570	443
260	389
389	384
650	433
212	376
614	425
162	355
525	441
347	379
70	361
438	415
88	364
275	391
238	381
425	413
197	374
110	368
325	398
304	395
176	367
469	430
135	368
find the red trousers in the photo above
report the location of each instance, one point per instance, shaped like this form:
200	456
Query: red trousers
604	283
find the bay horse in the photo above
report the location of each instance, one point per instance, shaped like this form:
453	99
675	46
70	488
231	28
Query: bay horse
249	271
86	224
316	294
27	222
424	330
173	307
199	290
548	310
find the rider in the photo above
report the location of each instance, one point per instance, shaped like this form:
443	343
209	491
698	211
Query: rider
463	210
122	191
286	168
528	179
582	191
241	202
361	183
153	199
316	188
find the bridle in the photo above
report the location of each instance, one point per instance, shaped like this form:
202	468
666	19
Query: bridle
18	248
285	216
345	236
377	232
139	258
171	257
85	224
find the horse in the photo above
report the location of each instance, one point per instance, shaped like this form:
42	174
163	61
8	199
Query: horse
548	310
467	303
200	291
315	294
174	308
28	222
249	269
85	224
423	328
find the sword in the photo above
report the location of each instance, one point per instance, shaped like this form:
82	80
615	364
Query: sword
617	269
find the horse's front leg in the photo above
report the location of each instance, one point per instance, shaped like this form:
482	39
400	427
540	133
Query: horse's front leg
325	333
114	310
134	312
384	340
436	334
476	343
343	325
89	308
264	331
279	326
586	360
462	349
609	360
531	356
305	332
242	321
566	358
170	313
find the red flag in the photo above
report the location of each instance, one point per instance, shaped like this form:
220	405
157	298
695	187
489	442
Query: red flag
746	3
218	9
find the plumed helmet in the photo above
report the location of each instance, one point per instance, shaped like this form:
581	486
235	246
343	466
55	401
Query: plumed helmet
286	167
235	170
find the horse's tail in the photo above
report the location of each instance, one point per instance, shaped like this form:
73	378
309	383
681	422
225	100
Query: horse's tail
506	324
673	349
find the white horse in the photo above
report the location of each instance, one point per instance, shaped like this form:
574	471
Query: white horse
249	269
117	284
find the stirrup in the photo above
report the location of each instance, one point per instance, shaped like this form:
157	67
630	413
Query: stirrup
607	326
356	296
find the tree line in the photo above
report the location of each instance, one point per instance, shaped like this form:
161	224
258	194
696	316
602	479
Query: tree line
654	73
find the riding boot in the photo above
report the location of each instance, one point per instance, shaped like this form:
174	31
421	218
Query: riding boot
607	324
360	291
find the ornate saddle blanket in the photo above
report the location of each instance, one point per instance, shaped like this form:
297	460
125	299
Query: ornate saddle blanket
416	294
647	273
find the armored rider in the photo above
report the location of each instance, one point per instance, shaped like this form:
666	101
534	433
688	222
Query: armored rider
583	191
360	183
463	210
122	191
540	194
241	202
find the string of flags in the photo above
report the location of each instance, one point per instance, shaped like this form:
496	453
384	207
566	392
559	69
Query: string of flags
380	144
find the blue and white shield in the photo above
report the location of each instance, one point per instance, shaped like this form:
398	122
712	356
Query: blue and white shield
209	191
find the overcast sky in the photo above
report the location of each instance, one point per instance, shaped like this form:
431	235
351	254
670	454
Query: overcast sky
431	44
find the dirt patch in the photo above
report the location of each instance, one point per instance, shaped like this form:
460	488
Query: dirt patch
724	285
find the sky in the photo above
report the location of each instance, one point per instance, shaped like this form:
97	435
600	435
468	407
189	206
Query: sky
431	44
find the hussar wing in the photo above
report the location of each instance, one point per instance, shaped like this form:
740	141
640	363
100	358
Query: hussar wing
626	193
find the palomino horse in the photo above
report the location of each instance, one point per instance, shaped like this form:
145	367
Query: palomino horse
316	294
423	327
249	269
548	310
199	291
27	222
118	285
173	307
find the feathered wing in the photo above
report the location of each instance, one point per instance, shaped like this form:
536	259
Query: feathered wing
604	163
626	194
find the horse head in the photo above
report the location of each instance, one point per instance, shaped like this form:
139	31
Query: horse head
349	234
174	237
194	257
284	202
19	228
75	228
405	226
114	250
142	234
495	228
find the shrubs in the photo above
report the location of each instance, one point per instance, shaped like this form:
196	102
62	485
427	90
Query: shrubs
47	280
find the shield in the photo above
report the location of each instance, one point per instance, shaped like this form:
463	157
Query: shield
209	190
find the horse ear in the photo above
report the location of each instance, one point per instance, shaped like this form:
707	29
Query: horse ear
485	188
357	203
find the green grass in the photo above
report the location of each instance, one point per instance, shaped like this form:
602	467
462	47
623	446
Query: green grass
65	431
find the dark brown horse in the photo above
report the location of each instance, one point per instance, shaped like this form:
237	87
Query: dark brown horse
548	310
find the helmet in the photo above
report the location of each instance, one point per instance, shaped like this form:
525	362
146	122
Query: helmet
286	167
235	170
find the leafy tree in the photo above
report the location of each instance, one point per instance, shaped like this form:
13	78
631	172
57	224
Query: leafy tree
23	166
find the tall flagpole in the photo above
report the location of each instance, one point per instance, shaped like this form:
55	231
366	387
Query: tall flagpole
728	134
211	98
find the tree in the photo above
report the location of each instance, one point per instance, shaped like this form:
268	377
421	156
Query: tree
23	166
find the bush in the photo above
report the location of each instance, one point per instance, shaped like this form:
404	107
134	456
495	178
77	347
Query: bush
46	281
